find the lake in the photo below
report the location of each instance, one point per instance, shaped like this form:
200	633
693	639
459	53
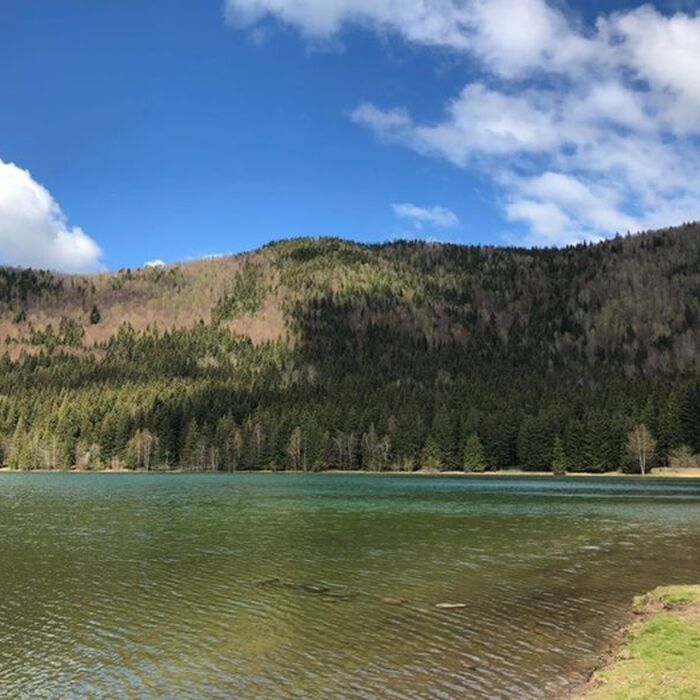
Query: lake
326	585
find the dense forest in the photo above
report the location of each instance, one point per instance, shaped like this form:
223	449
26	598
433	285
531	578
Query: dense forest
319	353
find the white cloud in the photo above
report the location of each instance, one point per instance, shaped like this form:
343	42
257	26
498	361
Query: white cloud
154	263
430	22
560	209
664	52
514	36
33	229
438	217
480	121
492	30
587	130
547	221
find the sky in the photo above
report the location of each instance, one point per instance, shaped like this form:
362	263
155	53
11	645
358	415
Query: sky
135	131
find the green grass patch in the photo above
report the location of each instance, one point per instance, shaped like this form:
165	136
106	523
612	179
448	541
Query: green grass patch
661	659
669	596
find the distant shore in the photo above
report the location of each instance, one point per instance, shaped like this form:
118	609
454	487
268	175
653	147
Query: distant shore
661	472
658	473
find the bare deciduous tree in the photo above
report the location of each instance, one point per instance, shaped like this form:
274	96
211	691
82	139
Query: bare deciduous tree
641	446
294	449
143	445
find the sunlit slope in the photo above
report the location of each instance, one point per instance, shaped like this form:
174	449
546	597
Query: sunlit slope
630	301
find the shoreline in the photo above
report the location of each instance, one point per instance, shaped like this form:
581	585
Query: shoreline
656	653
659	473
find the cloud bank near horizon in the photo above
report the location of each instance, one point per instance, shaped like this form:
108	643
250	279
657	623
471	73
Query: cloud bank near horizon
33	229
585	130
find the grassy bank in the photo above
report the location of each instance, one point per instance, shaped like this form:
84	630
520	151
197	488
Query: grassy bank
660	656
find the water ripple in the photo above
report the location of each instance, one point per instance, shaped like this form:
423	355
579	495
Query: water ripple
296	587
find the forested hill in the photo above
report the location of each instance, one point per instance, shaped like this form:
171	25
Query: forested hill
310	354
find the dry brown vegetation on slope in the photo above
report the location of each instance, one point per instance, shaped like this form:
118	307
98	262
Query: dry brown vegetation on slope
634	295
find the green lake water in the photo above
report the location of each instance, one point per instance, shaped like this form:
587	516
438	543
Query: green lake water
326	586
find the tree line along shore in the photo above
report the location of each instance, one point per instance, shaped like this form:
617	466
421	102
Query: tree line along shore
316	354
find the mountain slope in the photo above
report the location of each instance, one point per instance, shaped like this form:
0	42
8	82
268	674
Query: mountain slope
313	353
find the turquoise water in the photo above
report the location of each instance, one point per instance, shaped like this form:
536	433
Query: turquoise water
326	585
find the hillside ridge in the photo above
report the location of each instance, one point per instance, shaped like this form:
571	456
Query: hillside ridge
411	350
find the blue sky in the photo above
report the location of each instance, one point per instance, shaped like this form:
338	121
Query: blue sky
133	131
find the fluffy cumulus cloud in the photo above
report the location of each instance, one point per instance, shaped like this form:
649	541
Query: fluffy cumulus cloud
587	130
435	217
33	229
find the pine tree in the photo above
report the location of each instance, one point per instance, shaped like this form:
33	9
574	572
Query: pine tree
474	459
193	455
95	315
444	434
574	444
690	416
431	457
560	462
534	444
